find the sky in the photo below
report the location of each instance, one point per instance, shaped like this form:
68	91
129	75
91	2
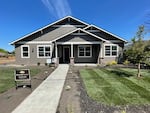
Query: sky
120	17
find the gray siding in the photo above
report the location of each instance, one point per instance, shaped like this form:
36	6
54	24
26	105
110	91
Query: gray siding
118	59
33	60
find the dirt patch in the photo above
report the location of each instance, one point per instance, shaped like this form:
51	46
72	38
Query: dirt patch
75	99
70	99
4	60
10	99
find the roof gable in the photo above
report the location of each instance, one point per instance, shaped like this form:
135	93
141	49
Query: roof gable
93	28
78	31
64	21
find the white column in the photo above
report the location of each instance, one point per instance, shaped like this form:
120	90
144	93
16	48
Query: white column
71	50
56	53
101	49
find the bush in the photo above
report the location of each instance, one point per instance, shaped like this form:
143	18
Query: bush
111	63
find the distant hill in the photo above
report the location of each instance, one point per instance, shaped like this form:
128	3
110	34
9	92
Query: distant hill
3	51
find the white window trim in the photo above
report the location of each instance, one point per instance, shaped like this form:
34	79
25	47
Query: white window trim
44	53
111	50
22	51
84	51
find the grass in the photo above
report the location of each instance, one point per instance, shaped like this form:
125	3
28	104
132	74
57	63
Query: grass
7	77
117	86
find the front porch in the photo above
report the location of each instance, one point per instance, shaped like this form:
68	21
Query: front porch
83	53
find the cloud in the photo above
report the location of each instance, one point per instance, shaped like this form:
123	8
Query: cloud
57	8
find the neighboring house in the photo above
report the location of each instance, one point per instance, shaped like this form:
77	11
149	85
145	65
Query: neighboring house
69	40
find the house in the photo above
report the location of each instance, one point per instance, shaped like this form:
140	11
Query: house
69	40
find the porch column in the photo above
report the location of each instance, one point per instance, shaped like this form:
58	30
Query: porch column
56	55
72	57
71	50
101	52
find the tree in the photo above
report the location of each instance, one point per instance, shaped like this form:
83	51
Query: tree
139	52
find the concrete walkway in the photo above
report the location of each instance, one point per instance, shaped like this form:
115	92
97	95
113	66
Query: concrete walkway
45	98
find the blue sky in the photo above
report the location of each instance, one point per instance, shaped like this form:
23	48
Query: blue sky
20	17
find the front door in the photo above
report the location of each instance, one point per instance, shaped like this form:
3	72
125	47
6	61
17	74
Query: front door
66	55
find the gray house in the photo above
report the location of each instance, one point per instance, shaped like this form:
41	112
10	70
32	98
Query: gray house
69	40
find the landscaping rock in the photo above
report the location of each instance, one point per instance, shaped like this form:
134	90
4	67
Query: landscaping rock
67	87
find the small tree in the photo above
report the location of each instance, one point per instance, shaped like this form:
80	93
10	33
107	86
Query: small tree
139	52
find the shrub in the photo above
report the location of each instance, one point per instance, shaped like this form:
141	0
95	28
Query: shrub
111	63
126	62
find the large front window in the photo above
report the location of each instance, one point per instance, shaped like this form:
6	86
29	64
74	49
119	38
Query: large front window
25	51
85	51
44	51
111	50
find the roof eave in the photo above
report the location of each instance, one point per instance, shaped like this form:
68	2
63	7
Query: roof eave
106	32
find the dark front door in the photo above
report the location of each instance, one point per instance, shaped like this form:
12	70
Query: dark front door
66	55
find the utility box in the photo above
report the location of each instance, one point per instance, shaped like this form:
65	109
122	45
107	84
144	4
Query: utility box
22	78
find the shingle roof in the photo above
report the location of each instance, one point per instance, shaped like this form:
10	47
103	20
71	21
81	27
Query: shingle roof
67	17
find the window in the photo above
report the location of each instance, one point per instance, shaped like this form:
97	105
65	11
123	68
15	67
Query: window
44	51
25	51
84	51
111	50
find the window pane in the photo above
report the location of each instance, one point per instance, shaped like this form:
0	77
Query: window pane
41	48
81	48
81	53
107	47
88	53
47	48
114	53
25	54
41	54
114	47
107	53
87	48
47	54
25	49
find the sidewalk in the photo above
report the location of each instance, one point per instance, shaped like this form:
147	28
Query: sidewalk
45	98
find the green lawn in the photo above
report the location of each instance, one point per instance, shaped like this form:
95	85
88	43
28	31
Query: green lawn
117	86
7	77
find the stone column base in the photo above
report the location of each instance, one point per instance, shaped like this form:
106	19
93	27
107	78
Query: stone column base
71	60
100	60
56	61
